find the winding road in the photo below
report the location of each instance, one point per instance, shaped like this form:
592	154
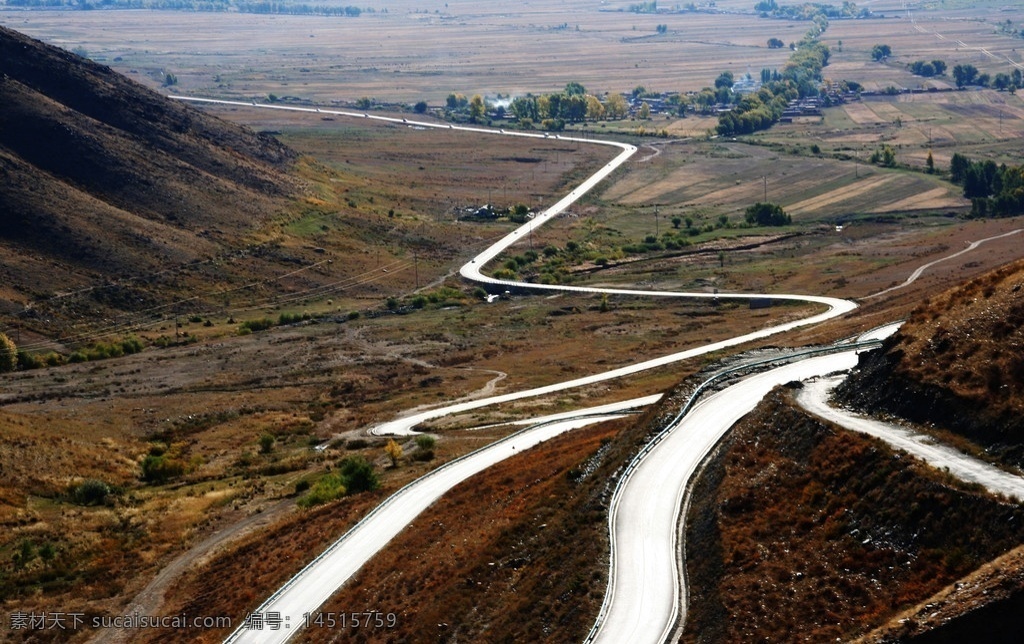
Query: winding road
644	594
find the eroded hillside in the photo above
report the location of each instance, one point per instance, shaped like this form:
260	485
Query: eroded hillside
957	364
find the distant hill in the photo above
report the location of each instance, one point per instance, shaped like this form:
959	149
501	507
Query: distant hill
957	363
102	178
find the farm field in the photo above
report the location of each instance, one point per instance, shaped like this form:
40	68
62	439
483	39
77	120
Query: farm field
415	51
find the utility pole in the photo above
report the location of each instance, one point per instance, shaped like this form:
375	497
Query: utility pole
657	232
416	268
765	177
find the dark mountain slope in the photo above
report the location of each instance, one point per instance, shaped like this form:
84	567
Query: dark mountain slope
102	178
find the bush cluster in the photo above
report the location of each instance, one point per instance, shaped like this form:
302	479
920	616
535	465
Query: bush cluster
355	474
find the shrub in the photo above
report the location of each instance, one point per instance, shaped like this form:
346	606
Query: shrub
425	441
357	443
26	361
160	469
251	326
267	443
89	492
358	475
326	489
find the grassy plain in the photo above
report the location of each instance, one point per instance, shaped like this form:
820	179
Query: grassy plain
330	380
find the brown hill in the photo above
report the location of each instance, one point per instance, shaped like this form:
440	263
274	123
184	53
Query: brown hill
102	178
802	531
957	363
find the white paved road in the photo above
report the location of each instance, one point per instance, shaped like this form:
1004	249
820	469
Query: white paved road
814	398
314	585
644	590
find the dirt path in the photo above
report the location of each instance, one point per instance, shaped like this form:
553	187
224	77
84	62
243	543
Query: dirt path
151	599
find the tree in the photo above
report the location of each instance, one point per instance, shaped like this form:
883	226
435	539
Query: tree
725	79
880	52
455	101
595	110
267	441
616	107
8	354
930	163
884	156
477	108
965	75
767	214
645	111
394	451
575	89
775	43
958	168
420	107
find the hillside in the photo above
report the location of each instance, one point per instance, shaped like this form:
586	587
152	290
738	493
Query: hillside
799	527
103	178
956	364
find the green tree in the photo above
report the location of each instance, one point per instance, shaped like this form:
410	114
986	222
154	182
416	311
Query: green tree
880	52
958	168
8	354
725	79
575	89
420	107
767	214
965	75
775	43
